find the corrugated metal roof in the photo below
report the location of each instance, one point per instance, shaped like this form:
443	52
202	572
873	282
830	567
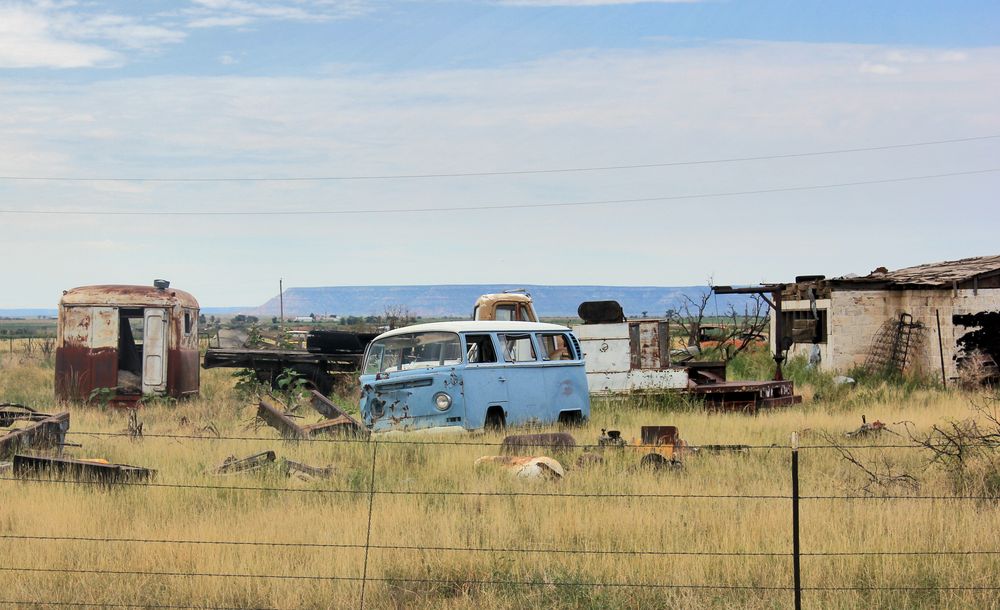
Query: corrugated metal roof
932	274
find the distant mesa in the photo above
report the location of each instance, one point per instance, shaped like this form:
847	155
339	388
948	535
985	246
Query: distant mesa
439	301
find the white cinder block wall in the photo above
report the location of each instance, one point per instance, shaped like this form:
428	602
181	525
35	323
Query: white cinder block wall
854	316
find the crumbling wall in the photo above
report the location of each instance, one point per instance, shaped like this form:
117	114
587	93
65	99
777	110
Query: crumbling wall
855	316
982	333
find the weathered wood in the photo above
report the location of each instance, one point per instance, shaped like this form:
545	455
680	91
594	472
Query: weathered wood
80	469
43	434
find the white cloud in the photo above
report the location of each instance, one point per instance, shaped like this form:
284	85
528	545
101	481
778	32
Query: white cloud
64	35
882	69
238	13
584	109
47	34
28	39
216	22
591	2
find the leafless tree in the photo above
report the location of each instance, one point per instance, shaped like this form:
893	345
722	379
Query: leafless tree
690	314
741	328
396	315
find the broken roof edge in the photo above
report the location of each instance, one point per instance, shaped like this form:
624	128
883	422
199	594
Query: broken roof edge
122	294
942	274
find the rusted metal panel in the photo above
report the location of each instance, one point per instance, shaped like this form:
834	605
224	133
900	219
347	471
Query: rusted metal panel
42	434
285	426
653	344
634	339
663	336
103	327
336	415
554	441
128	296
183	372
233	464
75	325
747	396
80	370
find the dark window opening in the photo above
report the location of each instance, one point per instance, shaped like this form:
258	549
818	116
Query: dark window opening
480	349
802	327
188	322
979	354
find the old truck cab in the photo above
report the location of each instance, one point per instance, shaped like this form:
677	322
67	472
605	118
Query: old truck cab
473	375
505	306
127	341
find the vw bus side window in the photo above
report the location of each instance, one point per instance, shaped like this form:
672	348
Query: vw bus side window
517	348
480	349
413	351
556	346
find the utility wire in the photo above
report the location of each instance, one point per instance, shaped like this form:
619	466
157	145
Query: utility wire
511	206
563	170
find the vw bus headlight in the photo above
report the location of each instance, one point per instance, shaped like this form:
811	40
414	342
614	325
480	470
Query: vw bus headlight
442	401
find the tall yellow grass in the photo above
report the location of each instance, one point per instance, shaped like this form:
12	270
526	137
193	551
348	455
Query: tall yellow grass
319	513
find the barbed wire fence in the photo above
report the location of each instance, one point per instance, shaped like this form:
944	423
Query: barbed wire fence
793	589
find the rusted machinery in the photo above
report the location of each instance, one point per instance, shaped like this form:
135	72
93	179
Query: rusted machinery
660	446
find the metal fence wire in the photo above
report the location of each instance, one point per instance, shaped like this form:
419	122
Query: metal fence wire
794	590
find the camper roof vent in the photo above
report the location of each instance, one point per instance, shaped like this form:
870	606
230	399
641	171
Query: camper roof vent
161	284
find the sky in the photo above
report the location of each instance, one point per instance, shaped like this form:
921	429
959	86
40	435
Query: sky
224	144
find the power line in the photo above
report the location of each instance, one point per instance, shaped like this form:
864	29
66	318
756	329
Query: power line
512	206
563	170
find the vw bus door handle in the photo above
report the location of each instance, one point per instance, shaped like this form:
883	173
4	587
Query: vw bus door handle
502	379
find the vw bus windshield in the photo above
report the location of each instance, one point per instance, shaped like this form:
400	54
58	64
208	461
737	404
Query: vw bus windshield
413	351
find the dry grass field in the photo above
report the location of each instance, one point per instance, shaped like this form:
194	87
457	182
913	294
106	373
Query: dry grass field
444	534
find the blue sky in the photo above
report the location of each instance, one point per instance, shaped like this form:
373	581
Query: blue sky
300	88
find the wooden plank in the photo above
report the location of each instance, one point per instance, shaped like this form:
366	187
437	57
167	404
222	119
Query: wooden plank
44	434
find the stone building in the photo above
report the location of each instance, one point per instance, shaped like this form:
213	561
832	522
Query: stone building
892	318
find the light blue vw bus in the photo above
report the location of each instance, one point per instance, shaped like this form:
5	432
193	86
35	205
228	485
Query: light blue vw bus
473	375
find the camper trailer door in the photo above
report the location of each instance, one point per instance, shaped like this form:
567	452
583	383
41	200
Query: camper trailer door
154	351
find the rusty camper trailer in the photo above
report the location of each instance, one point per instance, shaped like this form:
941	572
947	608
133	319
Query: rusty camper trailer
129	341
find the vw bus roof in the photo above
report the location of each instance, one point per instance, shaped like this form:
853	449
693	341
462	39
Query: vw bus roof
471	326
123	295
